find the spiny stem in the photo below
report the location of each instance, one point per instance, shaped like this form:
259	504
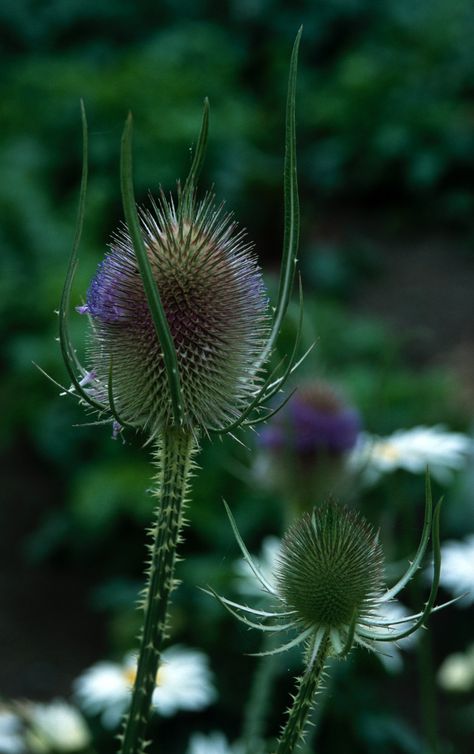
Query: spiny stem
174	459
303	700
317	712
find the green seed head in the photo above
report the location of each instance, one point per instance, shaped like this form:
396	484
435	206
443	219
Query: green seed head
330	567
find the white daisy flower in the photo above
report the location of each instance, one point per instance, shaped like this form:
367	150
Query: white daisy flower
213	743
457	569
184	682
413	450
57	726
11	740
457	671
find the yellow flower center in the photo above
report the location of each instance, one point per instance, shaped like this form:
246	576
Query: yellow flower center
130	675
387	452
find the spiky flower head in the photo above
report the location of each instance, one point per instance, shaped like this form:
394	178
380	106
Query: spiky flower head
330	568
328	582
215	303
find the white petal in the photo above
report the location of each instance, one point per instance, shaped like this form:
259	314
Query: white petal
104	689
457	568
457	672
58	725
184	682
11	741
412	450
213	743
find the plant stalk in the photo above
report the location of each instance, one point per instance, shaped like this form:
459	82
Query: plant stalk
308	685
428	700
173	456
259	701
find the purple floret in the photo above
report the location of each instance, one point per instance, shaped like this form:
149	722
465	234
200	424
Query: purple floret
306	428
106	297
313	429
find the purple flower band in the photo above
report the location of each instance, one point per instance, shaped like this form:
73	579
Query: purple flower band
306	428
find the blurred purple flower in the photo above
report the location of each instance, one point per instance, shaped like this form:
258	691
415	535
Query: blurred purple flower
316	420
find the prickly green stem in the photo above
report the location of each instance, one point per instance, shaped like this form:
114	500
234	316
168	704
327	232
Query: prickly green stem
174	455
303	700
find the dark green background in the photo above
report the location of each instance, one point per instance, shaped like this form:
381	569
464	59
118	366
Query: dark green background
386	163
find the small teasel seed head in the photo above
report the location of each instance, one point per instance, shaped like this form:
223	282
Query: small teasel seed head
215	303
330	568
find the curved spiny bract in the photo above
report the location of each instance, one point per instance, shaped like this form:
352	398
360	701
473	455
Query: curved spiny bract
216	307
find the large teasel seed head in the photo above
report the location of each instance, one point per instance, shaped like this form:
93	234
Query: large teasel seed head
180	326
330	569
215	303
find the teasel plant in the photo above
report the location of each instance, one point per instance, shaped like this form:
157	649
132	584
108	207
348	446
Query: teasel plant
180	338
327	595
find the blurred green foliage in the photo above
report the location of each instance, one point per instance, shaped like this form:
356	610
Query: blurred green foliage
385	104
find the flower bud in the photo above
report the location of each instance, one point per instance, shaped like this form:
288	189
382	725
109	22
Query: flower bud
328	583
214	300
330	568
